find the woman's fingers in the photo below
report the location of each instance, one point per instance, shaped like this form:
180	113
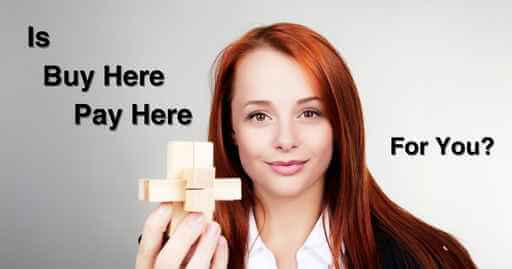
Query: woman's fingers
173	253
202	257
151	243
210	251
221	255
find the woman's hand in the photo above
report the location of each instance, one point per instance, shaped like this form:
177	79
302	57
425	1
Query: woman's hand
211	250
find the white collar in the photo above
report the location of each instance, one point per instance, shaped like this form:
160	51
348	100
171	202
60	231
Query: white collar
316	241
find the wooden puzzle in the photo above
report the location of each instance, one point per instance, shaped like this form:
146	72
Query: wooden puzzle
191	185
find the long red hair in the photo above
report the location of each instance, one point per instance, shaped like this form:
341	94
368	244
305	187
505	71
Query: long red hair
356	204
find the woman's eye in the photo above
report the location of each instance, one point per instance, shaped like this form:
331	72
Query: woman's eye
311	113
258	116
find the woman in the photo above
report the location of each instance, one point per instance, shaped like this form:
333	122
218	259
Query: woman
286	118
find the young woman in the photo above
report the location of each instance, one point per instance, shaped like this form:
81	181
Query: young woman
286	118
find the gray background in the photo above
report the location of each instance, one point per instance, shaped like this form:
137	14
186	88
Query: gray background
423	70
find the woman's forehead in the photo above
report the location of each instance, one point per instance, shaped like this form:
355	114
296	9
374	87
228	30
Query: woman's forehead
266	74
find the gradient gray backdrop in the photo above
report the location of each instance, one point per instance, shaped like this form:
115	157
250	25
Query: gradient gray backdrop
69	193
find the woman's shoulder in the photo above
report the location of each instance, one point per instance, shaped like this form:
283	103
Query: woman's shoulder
391	253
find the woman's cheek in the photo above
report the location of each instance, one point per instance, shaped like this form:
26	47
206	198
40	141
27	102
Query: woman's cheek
318	137
252	142
257	135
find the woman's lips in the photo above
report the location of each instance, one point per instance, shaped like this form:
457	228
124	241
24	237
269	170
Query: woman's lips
287	169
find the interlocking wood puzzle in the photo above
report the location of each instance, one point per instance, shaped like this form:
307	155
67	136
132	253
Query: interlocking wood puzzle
191	184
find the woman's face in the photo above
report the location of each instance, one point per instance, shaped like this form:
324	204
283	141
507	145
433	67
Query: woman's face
277	117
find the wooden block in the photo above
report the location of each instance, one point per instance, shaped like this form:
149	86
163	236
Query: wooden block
191	184
162	190
180	154
178	214
199	178
143	189
227	189
199	200
203	155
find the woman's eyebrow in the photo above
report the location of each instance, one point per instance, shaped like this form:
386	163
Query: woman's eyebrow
266	102
257	102
308	99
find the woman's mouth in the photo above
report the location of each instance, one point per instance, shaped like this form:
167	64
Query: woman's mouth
287	168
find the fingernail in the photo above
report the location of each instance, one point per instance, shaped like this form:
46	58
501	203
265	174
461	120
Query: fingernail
222	241
213	230
164	209
196	219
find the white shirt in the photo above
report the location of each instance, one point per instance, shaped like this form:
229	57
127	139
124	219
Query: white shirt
315	252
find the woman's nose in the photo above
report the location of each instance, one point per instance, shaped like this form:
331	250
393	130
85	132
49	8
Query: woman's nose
286	137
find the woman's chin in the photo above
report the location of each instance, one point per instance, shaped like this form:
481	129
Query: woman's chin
284	188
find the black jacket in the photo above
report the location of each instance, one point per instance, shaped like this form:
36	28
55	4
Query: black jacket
391	254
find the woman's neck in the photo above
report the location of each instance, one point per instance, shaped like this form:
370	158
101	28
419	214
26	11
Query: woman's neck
288	221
